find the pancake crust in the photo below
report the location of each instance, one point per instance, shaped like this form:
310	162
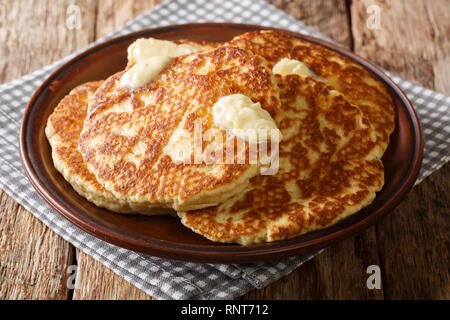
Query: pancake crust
329	169
128	135
63	130
356	84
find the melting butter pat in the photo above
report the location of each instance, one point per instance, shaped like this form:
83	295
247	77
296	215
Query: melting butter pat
143	72
245	119
290	66
142	49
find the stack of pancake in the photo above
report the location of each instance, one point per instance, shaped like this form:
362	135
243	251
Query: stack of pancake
129	149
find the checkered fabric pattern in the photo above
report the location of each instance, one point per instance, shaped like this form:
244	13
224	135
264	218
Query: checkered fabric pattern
167	279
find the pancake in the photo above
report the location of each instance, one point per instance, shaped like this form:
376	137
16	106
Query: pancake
329	168
355	83
63	130
138	142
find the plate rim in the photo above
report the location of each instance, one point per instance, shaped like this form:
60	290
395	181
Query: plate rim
234	253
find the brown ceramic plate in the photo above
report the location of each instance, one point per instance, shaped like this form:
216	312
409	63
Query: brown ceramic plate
165	236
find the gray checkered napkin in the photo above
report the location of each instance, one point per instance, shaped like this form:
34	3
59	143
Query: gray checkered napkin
167	279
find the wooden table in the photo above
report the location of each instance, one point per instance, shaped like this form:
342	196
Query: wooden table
411	245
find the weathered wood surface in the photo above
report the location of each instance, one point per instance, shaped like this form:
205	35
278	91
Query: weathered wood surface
96	282
410	245
33	259
413	41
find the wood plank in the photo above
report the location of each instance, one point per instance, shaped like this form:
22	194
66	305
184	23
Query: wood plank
337	273
330	17
413	41
114	14
34	34
33	259
415	46
96	282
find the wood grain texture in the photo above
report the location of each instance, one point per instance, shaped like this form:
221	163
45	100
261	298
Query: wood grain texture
96	282
337	273
112	15
330	17
411	244
413	41
33	259
34	34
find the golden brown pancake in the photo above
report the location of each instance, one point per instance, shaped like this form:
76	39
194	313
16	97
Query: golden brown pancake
329	169
129	135
335	129
63	130
355	83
